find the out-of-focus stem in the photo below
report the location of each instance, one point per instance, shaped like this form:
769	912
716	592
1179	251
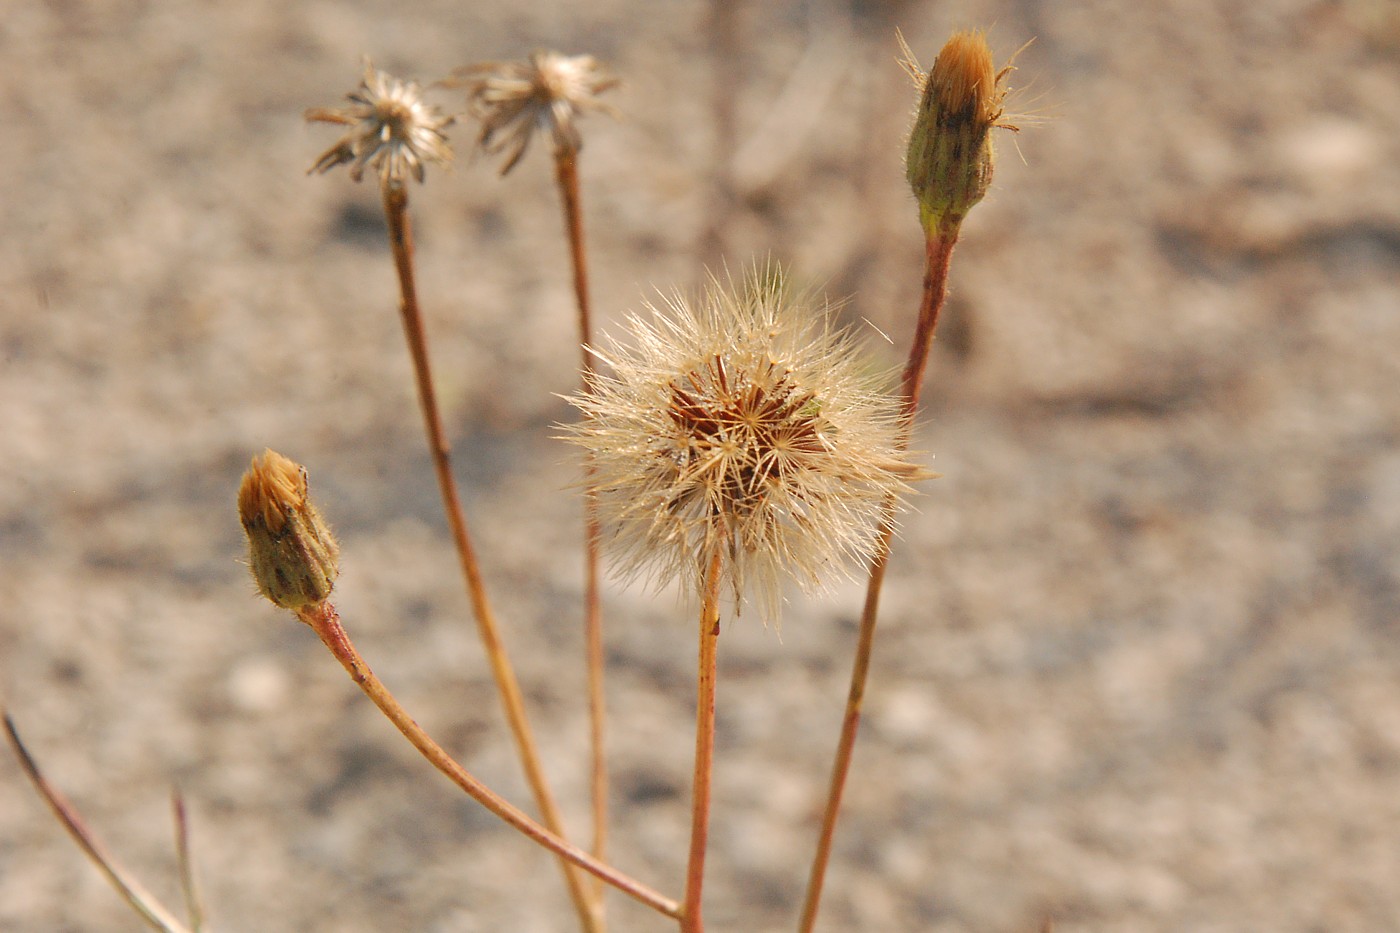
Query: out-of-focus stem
325	621
691	915
722	32
401	243
566	169
156	914
194	904
939	254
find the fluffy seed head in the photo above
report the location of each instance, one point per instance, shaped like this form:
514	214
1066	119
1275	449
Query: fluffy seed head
950	158
548	92
741	424
392	130
293	555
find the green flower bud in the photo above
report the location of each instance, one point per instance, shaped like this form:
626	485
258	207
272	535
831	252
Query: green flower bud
293	555
950	158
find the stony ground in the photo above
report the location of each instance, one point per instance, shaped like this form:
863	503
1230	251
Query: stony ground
1139	666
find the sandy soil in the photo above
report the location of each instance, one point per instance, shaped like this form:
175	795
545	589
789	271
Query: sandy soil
1139	665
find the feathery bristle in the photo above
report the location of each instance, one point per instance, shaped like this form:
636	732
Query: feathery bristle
741	423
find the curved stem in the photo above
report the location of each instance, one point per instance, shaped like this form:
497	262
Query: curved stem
566	172
939	254
325	621
401	243
691	916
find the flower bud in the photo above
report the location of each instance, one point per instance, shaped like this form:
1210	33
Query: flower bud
950	158
293	555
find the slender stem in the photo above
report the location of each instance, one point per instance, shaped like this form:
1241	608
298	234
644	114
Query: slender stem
325	621
939	254
156	914
566	167
401	242
938	249
722	30
194	904
691	919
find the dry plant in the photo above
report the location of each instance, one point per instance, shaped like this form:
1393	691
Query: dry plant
733	441
517	98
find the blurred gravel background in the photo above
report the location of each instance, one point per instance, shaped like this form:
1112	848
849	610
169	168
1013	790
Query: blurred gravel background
1139	666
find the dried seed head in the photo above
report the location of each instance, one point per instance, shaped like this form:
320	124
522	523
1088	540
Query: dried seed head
514	99
950	158
391	130
293	555
743	425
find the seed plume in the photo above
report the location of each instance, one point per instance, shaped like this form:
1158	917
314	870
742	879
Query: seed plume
741	424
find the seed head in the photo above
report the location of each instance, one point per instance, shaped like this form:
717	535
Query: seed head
514	99
391	130
950	157
293	555
741	425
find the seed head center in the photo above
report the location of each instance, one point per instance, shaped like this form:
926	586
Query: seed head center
742	433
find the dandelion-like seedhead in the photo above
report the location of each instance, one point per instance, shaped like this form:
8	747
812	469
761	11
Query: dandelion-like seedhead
514	99
392	130
741	425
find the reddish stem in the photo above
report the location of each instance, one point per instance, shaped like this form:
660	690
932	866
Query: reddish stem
566	169
691	914
401	243
325	621
939	254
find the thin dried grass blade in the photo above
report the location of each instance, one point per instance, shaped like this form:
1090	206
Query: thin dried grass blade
194	904
131	890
